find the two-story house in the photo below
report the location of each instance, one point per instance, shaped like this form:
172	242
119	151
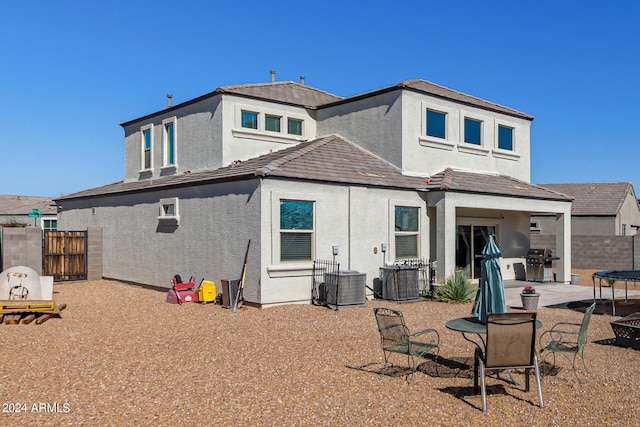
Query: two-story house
414	170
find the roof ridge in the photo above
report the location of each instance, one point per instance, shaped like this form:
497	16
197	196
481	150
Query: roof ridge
278	83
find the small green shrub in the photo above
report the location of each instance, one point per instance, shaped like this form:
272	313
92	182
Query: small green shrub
458	288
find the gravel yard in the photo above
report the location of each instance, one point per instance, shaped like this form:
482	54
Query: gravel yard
121	356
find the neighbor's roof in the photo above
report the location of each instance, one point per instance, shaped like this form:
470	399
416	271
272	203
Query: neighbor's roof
23	205
489	183
329	159
595	199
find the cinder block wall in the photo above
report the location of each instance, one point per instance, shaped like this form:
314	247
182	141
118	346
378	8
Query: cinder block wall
22	246
597	252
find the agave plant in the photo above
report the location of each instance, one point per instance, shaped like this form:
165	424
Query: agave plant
458	288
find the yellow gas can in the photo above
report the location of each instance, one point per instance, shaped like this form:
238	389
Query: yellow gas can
206	292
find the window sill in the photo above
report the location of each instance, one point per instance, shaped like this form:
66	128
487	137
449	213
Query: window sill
168	170
472	149
173	220
505	154
145	173
441	144
294	269
267	136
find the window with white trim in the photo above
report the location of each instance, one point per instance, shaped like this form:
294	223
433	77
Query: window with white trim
472	131
168	210
169	142
249	119
296	230
147	144
505	138
49	224
436	124
272	123
294	126
407	232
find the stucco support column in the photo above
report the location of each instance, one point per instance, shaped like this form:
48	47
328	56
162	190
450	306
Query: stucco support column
446	238
563	247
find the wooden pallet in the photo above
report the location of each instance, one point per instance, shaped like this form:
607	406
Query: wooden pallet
14	316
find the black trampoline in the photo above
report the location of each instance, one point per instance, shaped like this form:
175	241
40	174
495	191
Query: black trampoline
611	277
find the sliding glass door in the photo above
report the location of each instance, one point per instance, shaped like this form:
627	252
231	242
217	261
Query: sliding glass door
470	240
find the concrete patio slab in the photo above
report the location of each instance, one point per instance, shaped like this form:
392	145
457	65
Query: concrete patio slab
559	293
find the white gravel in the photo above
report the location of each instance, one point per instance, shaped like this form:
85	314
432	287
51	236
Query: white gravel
121	356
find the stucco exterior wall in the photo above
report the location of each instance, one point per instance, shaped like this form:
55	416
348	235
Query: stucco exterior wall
392	125
198	137
374	123
241	144
356	219
428	155
216	222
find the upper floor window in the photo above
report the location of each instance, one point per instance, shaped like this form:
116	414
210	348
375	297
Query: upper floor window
296	230
294	126
436	124
249	120
146	148
407	231
472	131
505	137
169	142
272	123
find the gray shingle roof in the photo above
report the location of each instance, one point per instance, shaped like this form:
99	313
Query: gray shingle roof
594	199
287	92
23	205
444	92
493	184
334	160
329	159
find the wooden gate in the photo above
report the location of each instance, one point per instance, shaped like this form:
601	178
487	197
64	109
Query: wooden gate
65	255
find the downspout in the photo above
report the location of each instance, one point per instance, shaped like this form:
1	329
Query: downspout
349	229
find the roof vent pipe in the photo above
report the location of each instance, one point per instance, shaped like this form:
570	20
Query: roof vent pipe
302	80
273	76
169	96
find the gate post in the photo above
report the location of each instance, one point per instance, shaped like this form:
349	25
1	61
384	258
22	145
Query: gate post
94	253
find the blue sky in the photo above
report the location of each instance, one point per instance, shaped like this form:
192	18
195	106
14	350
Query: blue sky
71	71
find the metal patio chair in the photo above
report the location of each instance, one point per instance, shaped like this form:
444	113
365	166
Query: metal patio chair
566	338
395	337
511	339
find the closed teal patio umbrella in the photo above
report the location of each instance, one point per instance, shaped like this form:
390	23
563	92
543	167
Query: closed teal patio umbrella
490	295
